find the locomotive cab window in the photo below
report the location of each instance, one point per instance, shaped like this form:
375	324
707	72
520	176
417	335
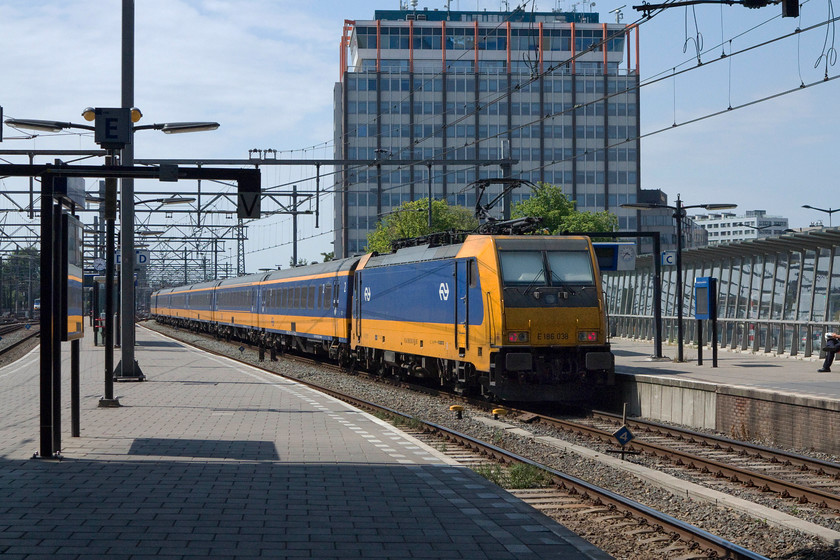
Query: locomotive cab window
570	267
547	278
473	273
522	268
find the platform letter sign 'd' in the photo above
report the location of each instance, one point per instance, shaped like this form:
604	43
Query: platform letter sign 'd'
248	200
623	436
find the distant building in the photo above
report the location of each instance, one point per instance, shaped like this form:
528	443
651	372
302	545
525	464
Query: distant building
662	220
726	227
555	91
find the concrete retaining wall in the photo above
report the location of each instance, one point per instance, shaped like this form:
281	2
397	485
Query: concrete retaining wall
689	403
787	421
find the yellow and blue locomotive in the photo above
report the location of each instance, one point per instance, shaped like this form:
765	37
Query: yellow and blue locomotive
517	318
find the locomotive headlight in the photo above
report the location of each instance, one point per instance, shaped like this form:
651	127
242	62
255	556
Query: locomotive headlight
517	336
588	336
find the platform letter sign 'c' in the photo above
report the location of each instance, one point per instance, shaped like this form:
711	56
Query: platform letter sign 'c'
248	195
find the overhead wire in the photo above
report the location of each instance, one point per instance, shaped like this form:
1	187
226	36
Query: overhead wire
729	108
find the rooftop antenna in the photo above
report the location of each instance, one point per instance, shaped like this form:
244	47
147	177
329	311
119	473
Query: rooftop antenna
618	15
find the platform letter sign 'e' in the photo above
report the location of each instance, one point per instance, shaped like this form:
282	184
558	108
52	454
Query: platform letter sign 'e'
248	195
112	127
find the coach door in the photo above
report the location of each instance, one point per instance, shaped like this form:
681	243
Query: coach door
462	305
334	296
357	307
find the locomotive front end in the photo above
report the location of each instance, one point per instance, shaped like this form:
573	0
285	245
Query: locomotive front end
554	333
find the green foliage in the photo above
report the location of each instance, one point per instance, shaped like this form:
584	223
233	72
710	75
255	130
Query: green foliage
328	256
517	475
412	220
492	472
19	271
558	212
523	475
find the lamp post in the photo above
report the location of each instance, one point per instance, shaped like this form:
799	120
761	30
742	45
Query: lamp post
127	369
828	211
679	215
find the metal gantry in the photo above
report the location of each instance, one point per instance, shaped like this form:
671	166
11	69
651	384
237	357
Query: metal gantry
195	241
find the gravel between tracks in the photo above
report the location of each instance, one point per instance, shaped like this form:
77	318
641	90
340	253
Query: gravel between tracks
21	350
741	529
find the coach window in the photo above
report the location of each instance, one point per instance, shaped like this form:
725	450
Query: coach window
310	300
327	296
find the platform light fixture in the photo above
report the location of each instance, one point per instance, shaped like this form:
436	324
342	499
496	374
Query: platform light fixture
828	211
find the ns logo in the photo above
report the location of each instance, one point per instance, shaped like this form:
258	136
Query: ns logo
443	291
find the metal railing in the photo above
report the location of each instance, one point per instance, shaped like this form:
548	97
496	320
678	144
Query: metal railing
769	336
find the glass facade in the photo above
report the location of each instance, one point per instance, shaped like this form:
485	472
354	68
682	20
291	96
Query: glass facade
474	87
778	294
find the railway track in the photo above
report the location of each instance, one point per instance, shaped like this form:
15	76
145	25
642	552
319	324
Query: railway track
654	533
659	534
788	475
5	347
10	328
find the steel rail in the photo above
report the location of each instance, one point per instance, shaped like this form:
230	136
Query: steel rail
17	343
805	463
786	489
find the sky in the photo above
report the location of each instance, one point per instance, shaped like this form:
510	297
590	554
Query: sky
265	70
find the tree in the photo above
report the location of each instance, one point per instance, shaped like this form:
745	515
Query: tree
412	220
328	256
558	212
19	280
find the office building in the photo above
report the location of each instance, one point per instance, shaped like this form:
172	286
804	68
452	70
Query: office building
726	227
421	90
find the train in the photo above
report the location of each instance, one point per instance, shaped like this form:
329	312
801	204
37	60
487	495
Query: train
517	318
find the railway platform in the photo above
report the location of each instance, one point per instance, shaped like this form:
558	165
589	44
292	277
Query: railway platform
762	371
210	458
781	400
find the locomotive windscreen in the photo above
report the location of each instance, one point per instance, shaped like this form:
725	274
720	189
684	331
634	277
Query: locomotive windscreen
546	268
